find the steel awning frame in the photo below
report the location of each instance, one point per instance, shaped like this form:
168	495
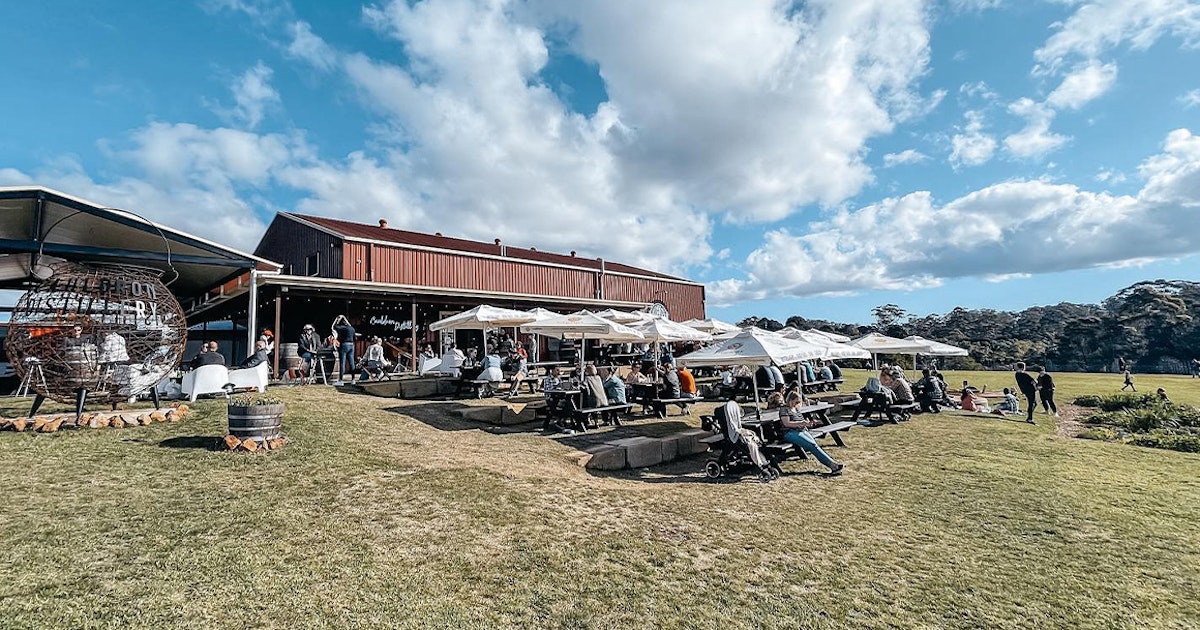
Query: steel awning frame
34	243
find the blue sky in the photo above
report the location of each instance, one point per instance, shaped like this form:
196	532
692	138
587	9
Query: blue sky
815	158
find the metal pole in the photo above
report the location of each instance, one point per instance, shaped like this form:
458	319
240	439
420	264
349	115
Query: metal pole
251	314
278	336
416	367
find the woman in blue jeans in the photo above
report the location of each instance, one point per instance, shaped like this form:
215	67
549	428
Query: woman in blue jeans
345	336
798	434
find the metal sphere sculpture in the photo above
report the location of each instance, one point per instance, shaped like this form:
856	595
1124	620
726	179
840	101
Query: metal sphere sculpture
113	331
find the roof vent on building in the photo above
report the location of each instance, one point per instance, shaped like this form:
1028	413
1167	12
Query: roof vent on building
533	249
497	241
437	233
383	223
572	253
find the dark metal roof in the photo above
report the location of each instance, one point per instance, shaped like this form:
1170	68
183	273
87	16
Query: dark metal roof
363	231
39	226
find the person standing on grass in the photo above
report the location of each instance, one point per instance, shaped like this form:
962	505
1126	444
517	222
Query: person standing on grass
344	333
1195	368
1128	380
1045	384
1028	387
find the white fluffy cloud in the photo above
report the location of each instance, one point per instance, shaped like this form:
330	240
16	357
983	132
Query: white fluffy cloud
747	111
908	156
1100	25
1018	227
1035	139
971	146
1082	85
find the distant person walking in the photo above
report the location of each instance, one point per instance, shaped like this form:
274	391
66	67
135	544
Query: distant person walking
1028	387
1045	384
1128	380
1195	368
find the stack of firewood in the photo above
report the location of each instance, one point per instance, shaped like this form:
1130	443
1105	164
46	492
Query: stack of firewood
106	419
251	445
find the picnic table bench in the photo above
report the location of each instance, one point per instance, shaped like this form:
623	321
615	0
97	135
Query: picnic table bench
784	449
660	405
894	413
479	387
607	412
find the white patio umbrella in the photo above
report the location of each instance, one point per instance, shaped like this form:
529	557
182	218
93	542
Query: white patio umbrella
936	348
712	326
484	318
833	349
833	336
540	314
876	343
623	317
583	325
754	347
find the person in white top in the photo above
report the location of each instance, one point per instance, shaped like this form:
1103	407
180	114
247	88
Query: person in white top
373	360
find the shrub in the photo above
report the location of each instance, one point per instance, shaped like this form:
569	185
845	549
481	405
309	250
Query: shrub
1088	401
1184	442
1126	401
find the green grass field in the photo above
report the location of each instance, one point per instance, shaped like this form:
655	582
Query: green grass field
389	513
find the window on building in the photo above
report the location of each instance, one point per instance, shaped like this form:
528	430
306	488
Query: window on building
312	264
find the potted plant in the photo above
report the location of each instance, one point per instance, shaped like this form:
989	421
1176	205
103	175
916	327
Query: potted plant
257	418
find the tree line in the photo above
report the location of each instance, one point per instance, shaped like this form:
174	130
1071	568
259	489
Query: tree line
1155	325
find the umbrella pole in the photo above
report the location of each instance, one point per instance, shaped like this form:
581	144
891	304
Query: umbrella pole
757	409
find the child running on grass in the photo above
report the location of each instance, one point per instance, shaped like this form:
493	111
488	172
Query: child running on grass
1128	381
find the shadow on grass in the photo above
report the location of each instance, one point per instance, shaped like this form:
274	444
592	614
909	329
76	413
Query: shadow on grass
203	442
443	417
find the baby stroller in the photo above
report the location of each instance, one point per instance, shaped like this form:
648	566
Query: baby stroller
736	452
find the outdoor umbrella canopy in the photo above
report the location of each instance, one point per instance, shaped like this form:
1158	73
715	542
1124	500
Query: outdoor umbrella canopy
712	326
876	343
828	335
937	348
754	347
483	317
833	349
584	325
540	314
623	317
667	331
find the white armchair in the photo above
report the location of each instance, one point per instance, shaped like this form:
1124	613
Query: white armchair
254	378
206	379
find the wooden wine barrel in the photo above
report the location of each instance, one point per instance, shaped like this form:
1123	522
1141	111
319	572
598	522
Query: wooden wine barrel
261	422
289	356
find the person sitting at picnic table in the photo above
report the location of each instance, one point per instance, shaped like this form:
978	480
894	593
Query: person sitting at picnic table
833	367
687	383
972	401
901	390
259	357
593	388
452	361
810	375
1010	404
776	399
373	361
797	433
492	368
826	373
520	369
764	378
614	387
931	392
669	388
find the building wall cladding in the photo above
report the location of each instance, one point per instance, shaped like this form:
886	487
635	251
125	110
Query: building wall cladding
291	244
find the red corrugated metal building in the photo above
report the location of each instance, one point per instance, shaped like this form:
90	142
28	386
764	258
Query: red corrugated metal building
392	281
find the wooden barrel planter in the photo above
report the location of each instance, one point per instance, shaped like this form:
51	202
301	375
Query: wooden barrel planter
261	423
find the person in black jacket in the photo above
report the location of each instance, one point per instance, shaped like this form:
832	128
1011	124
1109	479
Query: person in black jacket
1045	384
1028	388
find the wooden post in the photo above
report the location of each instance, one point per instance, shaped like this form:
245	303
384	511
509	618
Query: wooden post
278	337
416	366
